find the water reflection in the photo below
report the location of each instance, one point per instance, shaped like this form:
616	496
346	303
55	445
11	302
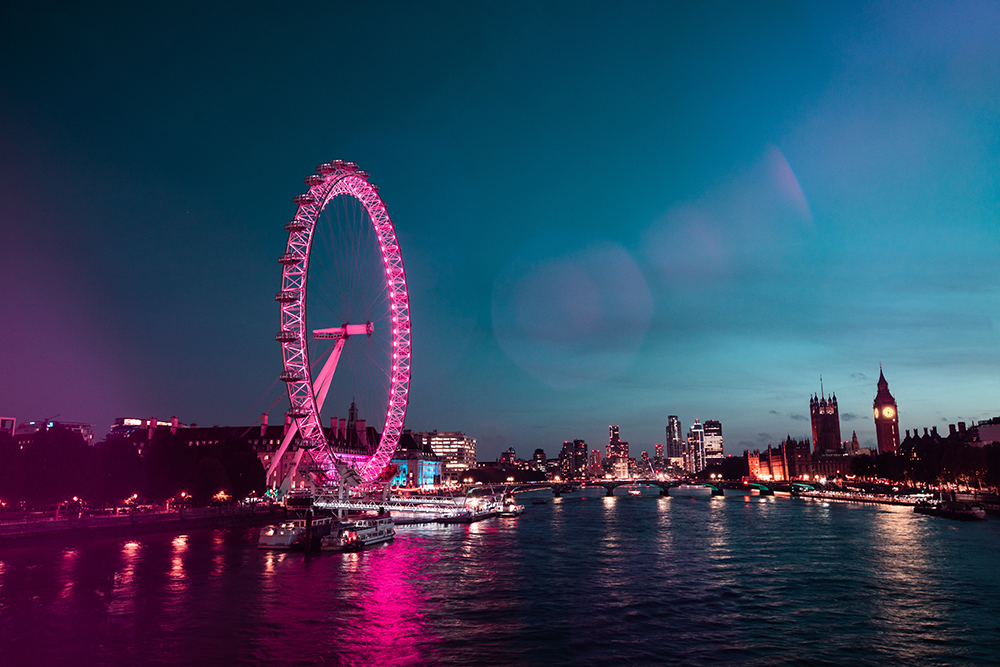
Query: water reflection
385	624
67	571
123	595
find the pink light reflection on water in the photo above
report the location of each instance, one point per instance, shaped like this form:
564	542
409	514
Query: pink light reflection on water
365	608
387	627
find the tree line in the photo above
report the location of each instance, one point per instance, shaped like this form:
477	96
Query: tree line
57	464
940	463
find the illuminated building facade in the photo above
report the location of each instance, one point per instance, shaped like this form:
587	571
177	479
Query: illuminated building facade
538	460
25	431
573	460
792	460
457	451
713	442
419	466
675	438
886	417
596	469
694	457
618	455
508	459
7	425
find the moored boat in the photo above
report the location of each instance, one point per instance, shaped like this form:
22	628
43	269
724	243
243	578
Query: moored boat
358	534
467	515
952	510
691	491
510	508
292	534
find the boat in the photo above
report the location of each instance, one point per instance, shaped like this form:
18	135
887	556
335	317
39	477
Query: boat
510	508
691	490
632	491
468	515
292	534
361	533
951	510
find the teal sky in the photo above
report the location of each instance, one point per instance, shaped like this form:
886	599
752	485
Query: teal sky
607	215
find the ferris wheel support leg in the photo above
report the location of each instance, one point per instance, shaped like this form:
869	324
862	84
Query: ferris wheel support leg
292	430
325	377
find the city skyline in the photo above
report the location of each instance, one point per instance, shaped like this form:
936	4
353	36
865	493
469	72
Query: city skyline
606	216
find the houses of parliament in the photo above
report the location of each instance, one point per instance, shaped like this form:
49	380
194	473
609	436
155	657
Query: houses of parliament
829	455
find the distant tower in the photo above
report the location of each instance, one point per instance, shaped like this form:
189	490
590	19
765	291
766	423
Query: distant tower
825	423
675	438
713	442
886	417
695	460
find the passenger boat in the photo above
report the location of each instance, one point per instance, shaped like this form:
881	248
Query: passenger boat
356	535
691	490
510	508
292	534
466	516
951	510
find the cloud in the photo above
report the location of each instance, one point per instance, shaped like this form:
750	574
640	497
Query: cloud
860	377
773	412
849	417
798	418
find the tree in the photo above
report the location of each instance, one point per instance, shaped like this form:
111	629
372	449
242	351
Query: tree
11	469
209	479
169	466
57	466
243	469
118	472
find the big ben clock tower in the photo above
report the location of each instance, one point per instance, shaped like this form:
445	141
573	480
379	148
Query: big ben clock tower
886	417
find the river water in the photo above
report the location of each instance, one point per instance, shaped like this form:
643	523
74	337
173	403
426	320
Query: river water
577	581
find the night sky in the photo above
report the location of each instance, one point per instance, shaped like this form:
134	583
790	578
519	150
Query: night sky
607	214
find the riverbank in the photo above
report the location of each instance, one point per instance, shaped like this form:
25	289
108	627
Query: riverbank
134	524
867	498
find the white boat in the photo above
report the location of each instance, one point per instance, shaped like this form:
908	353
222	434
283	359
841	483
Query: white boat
466	516
690	491
355	535
510	508
292	534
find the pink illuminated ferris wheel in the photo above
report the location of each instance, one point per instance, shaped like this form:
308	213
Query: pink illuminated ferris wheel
345	325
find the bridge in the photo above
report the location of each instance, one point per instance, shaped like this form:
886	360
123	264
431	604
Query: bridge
609	485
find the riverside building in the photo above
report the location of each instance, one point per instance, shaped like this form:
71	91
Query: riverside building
457	451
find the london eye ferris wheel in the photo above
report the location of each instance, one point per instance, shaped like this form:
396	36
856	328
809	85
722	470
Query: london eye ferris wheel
345	323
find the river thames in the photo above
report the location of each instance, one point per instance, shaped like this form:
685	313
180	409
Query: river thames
577	581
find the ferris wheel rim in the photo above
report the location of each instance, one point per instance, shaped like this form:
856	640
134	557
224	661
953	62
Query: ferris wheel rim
333	179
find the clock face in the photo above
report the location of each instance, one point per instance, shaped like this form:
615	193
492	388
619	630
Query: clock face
876	413
888	412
